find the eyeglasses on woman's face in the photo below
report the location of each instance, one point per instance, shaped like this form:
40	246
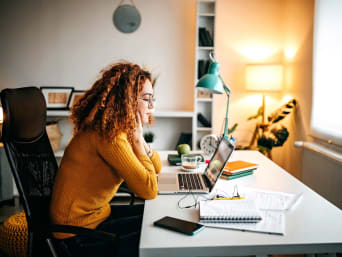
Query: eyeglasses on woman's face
150	101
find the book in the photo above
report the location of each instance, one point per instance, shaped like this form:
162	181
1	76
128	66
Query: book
238	175
202	37
229	211
200	68
237	166
203	120
208	37
205	38
206	68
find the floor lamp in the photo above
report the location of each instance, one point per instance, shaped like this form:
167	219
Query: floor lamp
263	78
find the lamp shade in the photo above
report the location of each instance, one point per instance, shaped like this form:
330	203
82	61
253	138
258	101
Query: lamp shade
211	82
264	77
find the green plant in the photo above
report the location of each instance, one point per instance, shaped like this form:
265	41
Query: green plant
271	134
232	129
149	136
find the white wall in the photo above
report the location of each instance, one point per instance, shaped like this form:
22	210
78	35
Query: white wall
67	43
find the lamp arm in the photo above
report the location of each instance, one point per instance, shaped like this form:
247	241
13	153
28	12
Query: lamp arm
227	90
225	133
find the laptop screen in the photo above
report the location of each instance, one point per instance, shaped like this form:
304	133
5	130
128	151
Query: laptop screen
218	161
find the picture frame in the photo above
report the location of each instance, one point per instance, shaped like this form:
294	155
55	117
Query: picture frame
57	98
75	96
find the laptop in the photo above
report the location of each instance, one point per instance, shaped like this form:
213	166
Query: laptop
197	182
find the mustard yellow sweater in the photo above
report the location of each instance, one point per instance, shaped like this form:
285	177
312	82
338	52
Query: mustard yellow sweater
90	174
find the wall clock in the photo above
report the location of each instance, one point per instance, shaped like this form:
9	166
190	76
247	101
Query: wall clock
126	17
209	144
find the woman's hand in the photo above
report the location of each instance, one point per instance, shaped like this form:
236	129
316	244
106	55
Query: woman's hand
138	139
138	133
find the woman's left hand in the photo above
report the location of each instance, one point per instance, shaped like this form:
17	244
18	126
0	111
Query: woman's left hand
138	133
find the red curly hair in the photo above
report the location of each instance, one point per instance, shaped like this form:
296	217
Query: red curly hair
110	105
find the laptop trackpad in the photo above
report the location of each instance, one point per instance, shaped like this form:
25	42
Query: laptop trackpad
167	179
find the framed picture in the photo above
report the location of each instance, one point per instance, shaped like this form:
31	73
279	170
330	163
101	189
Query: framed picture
75	96
57	97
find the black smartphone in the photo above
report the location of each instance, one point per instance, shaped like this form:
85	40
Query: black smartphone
183	226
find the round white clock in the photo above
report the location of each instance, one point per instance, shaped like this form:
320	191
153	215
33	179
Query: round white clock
209	144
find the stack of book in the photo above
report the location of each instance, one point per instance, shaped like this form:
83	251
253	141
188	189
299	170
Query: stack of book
204	37
203	66
237	169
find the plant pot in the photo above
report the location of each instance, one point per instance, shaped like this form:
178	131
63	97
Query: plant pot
152	145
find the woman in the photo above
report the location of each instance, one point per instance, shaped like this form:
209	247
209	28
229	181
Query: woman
107	149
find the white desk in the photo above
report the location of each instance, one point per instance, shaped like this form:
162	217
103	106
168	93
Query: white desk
313	225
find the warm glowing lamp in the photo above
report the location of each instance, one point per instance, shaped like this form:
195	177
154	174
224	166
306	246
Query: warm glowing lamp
264	78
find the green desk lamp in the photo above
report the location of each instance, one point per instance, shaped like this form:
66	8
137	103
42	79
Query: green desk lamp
213	83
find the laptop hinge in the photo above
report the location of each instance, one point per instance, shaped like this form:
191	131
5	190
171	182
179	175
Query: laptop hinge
206	181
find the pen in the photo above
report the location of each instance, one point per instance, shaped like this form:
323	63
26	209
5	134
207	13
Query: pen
229	198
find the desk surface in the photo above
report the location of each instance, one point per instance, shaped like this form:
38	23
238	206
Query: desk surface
313	225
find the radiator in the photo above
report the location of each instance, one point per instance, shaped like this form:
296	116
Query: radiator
322	171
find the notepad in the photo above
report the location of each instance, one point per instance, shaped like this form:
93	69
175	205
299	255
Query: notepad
229	211
273	222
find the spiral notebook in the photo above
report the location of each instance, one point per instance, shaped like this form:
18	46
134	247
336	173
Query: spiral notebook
229	211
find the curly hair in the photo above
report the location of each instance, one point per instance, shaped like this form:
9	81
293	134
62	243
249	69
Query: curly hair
110	105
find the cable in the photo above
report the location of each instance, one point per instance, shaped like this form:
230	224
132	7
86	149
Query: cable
196	200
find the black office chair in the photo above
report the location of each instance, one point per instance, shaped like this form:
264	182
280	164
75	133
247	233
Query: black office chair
34	168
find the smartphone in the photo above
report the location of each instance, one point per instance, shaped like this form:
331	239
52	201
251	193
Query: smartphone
183	226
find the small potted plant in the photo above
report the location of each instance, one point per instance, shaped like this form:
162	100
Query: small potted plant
149	136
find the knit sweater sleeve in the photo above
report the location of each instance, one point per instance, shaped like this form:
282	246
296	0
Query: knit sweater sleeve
155	158
137	171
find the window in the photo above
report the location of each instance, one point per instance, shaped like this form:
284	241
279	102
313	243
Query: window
326	117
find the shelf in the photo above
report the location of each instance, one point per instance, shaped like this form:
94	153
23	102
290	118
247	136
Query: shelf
176	114
173	114
203	129
206	48
207	14
204	100
58	113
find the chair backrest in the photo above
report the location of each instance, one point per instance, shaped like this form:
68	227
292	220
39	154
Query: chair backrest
31	158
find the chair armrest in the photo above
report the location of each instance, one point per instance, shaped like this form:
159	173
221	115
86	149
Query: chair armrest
124	189
98	234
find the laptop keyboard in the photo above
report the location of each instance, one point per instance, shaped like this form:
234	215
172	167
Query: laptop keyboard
189	181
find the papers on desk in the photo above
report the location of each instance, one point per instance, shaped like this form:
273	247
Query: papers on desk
272	206
270	200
